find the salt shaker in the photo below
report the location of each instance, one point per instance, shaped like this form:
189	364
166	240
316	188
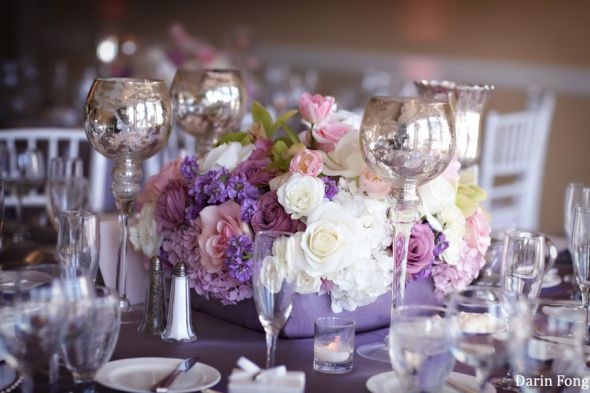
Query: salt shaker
179	327
154	316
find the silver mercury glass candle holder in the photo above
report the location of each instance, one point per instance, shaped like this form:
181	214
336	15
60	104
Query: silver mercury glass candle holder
127	120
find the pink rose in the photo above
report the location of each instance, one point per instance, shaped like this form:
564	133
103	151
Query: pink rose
420	248
477	232
307	162
157	183
327	134
315	108
452	171
372	185
219	223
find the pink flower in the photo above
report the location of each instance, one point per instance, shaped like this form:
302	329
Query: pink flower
270	215
171	205
307	162
157	183
315	108
449	279
327	134
219	224
420	248
452	171
477	232
372	185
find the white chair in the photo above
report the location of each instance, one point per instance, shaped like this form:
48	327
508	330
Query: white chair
66	142
513	160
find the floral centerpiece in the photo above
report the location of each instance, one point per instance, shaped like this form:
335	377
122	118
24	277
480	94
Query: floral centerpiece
316	185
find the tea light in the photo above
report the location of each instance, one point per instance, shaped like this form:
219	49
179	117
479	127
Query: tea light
334	352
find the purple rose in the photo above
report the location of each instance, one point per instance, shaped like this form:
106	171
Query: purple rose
270	215
420	248
255	171
171	206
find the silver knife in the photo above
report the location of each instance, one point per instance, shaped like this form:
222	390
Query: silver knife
163	384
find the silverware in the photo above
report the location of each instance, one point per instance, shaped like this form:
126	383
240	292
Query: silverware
163	384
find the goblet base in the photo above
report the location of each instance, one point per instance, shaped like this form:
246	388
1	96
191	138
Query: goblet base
374	351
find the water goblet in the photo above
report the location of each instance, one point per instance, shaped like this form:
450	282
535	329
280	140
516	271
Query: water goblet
22	172
481	334
127	120
208	103
272	287
78	241
420	343
66	187
524	262
580	248
406	142
574	197
545	348
89	349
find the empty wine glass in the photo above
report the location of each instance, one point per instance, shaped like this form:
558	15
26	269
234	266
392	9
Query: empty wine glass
66	187
580	248
89	349
208	103
78	241
22	172
480	336
420	344
273	288
574	193
524	262
546	339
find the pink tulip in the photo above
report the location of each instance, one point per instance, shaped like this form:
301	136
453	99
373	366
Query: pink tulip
452	171
477	232
307	162
327	134
315	108
373	185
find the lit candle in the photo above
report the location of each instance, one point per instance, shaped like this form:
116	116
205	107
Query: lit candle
334	352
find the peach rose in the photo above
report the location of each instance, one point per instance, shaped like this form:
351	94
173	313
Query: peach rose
219	223
307	162
373	185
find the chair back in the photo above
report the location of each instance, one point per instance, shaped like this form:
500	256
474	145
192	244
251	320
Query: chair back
513	161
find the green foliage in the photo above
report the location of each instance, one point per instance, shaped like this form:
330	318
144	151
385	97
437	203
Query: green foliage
243	137
468	197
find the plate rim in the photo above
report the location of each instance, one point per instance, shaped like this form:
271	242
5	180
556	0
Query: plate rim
12	384
489	386
113	364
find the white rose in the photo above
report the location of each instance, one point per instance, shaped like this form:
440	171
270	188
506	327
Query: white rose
346	159
434	196
228	155
332	240
453	253
301	194
304	283
452	217
144	234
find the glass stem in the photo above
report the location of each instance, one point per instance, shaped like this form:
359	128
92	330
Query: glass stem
481	378
28	384
271	343
586	304
122	263
18	236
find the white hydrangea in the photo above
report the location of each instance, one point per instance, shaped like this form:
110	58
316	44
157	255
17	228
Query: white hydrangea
143	235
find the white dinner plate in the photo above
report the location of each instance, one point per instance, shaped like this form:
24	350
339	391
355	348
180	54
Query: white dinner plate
387	382
140	374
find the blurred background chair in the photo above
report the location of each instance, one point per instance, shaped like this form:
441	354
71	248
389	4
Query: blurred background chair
513	161
60	142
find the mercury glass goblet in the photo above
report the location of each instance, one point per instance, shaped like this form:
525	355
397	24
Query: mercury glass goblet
406	142
467	102
208	103
127	120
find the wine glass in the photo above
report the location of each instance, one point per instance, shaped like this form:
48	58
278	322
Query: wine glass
272	286
1	211
580	248
480	336
127	120
420	345
89	349
208	103
406	142
78	241
523	262
546	341
66	187
22	172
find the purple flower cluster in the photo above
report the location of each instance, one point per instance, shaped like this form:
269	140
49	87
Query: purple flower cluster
331	188
440	244
189	169
218	186
238	257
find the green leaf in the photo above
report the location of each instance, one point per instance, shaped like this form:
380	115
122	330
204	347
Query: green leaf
261	115
242	137
279	149
293	137
284	118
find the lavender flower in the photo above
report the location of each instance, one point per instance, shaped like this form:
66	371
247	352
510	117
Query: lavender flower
247	209
189	169
238	257
440	245
331	187
239	189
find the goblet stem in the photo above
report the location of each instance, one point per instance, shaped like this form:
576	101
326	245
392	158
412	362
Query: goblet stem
18	236
121	282
586	304
481	378
271	343
204	143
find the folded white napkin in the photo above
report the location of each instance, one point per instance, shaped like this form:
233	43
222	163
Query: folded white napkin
249	378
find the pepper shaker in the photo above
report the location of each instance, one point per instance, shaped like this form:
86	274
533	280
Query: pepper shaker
179	327
154	316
